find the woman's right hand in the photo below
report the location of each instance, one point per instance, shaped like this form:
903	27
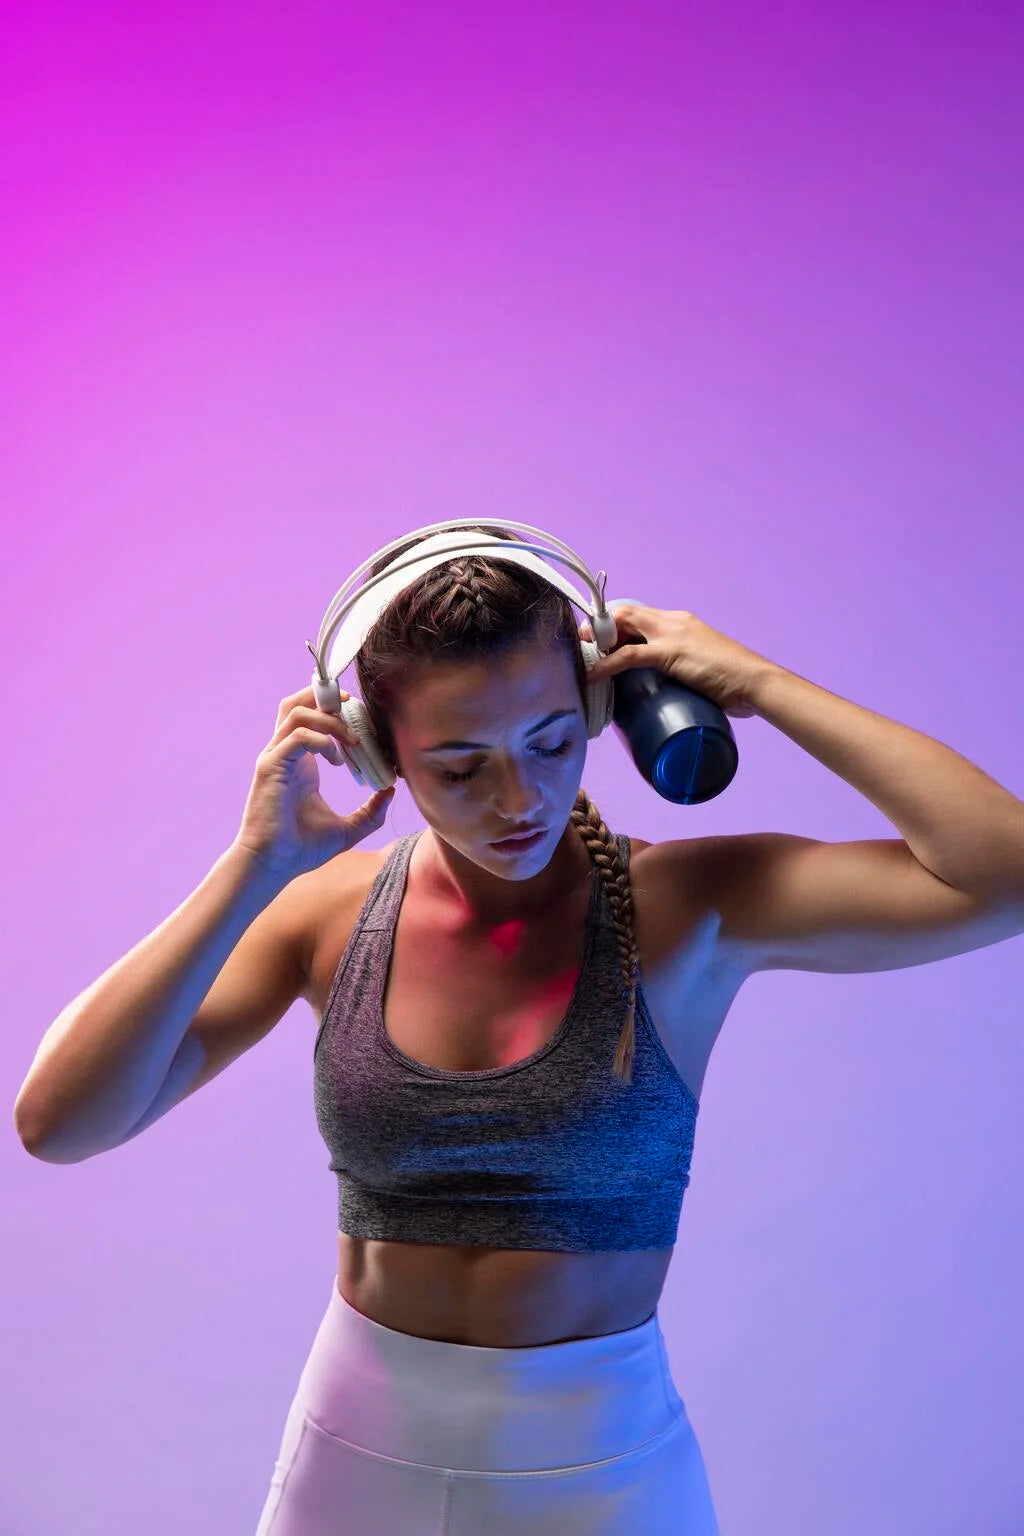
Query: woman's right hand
287	827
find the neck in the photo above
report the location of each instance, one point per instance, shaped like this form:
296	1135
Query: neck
476	898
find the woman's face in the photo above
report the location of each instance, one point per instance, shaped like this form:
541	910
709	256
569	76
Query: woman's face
521	725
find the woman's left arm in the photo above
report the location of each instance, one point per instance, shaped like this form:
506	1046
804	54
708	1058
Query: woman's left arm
958	823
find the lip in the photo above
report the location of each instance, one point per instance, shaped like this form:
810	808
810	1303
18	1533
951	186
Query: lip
521	840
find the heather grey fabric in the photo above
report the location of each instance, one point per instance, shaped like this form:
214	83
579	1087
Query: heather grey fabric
553	1152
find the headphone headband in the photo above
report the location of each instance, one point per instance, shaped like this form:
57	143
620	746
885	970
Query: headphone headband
351	616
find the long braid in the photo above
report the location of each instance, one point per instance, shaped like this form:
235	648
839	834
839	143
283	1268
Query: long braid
604	851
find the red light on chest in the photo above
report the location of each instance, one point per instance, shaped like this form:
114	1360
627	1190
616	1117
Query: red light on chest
507	937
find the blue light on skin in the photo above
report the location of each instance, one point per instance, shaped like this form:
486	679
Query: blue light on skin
518	776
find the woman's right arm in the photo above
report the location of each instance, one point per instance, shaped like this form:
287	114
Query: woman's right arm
216	975
106	1057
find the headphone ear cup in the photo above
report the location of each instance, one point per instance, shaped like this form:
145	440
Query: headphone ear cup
600	695
366	762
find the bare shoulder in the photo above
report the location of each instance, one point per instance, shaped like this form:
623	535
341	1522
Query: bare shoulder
669	878
707	866
670	868
332	898
691	881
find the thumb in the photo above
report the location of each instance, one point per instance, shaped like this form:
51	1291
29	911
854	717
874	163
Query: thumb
379	801
374	806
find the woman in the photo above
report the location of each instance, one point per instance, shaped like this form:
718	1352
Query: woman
512	1044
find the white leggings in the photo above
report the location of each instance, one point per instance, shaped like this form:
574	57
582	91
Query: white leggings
393	1435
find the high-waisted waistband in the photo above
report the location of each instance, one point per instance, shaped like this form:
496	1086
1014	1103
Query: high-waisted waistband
490	1410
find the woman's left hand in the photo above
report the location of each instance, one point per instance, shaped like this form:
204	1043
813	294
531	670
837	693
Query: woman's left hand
686	649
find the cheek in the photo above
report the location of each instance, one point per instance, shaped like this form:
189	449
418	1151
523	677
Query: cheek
450	800
435	802
575	761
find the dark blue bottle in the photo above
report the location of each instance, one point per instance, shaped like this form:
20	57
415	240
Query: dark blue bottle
680	740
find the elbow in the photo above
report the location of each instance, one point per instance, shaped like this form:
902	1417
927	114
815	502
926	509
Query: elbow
44	1145
24	1129
52	1150
47	1152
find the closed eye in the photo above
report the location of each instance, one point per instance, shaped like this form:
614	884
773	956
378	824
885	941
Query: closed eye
460	778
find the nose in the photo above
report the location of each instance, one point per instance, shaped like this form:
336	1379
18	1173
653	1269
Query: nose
517	799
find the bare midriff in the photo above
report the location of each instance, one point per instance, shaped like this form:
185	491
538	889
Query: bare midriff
499	1297
489	1297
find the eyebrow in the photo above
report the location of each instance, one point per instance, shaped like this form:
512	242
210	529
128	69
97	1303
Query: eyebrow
471	746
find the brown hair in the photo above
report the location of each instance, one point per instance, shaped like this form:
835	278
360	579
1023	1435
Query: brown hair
471	606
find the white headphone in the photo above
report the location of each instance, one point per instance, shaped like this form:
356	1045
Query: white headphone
350	618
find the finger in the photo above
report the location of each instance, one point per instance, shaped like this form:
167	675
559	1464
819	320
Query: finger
375	806
305	697
635	616
618	661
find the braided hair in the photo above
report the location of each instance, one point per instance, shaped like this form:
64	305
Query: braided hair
473	607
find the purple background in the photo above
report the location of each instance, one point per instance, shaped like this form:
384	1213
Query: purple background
729	298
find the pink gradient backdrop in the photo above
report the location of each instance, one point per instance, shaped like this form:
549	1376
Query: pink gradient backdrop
728	298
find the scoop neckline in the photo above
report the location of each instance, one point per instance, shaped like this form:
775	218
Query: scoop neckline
404	854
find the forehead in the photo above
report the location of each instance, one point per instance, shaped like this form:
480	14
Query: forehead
516	682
